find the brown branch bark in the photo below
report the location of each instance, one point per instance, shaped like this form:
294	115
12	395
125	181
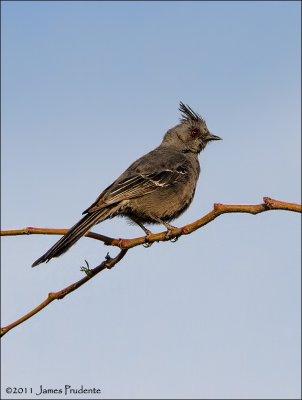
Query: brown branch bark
48	231
90	273
219	209
268	204
125	244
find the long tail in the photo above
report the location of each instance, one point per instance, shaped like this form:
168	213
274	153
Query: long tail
74	234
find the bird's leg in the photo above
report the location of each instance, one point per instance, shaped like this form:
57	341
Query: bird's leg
169	229
147	232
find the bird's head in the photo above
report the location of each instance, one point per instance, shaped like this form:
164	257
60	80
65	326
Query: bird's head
192	134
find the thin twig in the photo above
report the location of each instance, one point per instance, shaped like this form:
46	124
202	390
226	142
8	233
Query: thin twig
90	273
219	209
125	244
48	231
268	204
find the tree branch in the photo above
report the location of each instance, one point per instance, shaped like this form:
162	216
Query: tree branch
125	244
48	231
90	273
219	209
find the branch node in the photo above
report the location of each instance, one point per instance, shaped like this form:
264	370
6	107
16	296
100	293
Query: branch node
121	244
51	296
185	230
269	202
218	206
108	261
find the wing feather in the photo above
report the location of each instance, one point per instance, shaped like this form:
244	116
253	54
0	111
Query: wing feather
137	185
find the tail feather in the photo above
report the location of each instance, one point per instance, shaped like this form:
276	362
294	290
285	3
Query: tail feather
74	234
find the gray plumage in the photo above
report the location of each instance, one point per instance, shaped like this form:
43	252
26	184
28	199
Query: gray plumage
156	188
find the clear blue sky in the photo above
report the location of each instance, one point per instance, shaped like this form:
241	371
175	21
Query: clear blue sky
87	87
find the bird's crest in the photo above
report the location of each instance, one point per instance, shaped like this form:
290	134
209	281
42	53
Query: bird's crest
187	114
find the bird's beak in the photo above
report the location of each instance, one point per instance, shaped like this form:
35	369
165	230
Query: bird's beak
212	137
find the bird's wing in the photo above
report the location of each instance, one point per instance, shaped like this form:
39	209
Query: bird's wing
141	184
137	185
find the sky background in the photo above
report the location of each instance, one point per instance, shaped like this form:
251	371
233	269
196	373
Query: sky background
88	87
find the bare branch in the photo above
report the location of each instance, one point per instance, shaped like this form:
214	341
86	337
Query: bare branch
90	273
219	209
269	204
125	244
48	231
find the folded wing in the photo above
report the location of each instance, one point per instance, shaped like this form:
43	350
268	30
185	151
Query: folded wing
138	185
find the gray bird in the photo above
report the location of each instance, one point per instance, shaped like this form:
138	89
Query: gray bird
155	189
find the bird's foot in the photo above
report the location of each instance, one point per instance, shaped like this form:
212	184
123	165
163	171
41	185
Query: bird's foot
170	236
147	239
174	239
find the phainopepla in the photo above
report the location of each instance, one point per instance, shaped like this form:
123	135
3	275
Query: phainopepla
155	189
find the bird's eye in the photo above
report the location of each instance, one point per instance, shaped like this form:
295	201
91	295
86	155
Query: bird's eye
194	132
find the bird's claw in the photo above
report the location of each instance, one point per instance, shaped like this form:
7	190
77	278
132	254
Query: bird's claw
170	236
147	240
